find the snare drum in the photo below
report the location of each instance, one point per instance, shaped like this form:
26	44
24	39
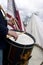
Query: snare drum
21	49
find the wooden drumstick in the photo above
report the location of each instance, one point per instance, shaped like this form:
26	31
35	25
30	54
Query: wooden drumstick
19	33
2	10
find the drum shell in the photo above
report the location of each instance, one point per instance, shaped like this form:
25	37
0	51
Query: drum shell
19	54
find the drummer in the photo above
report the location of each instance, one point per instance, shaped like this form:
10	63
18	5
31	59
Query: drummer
3	33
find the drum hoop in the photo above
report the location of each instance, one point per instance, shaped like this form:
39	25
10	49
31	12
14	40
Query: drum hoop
21	45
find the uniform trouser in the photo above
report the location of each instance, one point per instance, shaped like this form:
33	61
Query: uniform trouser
3	56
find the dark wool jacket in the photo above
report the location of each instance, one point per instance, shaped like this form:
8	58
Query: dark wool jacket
3	31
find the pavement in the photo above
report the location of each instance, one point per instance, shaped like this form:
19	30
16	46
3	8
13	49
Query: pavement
37	56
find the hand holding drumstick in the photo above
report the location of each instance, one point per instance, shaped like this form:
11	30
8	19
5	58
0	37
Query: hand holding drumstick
13	34
11	21
9	32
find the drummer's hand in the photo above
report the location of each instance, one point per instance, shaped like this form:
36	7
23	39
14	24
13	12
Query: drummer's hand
12	20
13	34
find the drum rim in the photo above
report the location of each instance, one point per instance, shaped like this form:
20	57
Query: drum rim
21	45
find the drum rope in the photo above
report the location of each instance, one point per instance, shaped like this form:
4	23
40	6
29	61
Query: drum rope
21	55
23	50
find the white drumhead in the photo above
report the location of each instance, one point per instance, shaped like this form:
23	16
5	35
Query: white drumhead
23	39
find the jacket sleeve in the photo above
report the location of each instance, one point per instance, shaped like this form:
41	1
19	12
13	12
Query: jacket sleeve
3	30
3	27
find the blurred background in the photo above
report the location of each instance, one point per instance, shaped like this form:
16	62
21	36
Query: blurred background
26	7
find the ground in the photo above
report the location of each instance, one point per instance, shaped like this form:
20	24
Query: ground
37	56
